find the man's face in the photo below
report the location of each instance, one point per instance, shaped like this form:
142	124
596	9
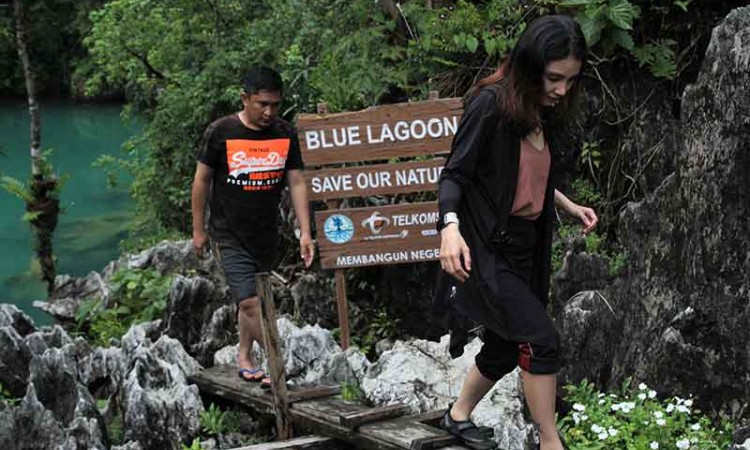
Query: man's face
261	108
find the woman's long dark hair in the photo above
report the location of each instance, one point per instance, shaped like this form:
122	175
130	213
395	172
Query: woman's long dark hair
520	78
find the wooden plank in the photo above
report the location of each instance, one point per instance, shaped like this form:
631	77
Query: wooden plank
320	426
222	381
330	409
379	133
273	354
384	235
301	443
434	442
399	432
302	394
378	179
353	420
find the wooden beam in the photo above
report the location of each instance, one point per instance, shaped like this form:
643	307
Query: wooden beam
273	354
311	442
342	306
299	395
353	420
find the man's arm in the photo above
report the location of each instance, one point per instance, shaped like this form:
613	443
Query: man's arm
298	189
201	186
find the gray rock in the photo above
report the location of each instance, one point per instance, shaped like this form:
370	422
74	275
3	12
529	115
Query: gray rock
14	361
132	445
54	376
62	309
682	322
53	337
11	316
191	317
309	352
159	408
29	426
423	375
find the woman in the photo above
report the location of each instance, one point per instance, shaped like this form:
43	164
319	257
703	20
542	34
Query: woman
497	199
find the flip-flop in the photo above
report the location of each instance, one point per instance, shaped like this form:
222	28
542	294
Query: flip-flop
252	372
265	383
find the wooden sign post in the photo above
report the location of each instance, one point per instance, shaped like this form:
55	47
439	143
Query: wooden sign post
400	233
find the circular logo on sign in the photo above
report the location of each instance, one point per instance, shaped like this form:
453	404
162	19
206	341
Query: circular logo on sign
338	228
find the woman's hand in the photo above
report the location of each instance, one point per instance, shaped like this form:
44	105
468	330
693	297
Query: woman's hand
586	215
452	249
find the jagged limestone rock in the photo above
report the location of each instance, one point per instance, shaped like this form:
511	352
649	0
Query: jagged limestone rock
682	319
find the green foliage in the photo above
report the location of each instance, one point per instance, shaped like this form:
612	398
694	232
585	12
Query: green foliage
6	398
215	422
139	295
633	419
350	391
381	327
23	191
609	24
195	445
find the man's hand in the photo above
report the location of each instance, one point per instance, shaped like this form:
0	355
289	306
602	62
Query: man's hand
306	249
453	249
200	241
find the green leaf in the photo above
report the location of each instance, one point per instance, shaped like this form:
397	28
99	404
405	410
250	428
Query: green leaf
472	44
31	216
569	3
591	28
621	13
623	39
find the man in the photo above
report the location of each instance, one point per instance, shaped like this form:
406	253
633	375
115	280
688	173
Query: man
243	162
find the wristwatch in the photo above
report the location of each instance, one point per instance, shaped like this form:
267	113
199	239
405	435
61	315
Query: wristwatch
450	217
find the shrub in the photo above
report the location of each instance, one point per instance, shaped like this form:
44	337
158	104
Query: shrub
636	419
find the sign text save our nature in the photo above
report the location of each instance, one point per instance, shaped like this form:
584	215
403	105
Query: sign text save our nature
398	133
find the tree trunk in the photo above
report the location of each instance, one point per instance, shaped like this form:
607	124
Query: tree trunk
45	203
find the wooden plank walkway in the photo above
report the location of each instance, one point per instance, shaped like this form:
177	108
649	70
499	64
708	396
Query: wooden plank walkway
319	409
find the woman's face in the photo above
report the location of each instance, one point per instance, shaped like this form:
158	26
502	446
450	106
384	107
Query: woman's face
558	77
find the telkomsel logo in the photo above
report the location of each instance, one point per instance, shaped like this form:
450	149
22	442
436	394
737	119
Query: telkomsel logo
376	222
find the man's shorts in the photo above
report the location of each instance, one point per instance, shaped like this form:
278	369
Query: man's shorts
239	269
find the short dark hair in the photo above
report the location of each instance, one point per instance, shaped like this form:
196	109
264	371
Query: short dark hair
262	78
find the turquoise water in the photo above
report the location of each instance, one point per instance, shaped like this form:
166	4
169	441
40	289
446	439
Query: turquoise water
95	217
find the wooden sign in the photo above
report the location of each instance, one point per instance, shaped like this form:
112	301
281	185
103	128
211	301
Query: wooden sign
380	133
381	179
378	235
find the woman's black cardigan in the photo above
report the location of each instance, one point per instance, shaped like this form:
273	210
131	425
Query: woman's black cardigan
478	182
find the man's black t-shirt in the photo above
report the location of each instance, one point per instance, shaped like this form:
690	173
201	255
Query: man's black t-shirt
249	173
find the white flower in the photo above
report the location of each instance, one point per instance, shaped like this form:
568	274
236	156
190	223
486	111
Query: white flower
584	418
695	426
616	407
683	409
683	444
600	395
642	396
576	418
658	414
654	445
579	407
612	432
689	403
642	386
651	394
601	402
603	435
661	422
670	408
597	428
